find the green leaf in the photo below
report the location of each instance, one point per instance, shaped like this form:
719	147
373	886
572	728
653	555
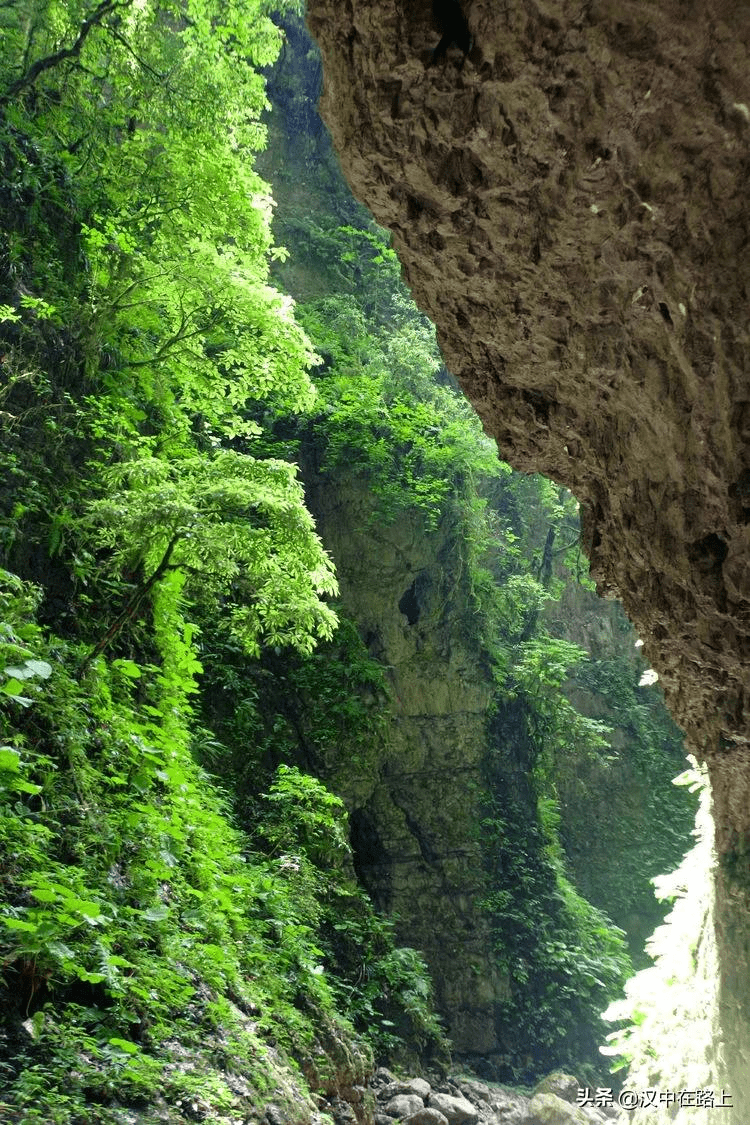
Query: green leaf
20	924
156	913
124	1045
44	894
61	951
92	978
128	668
19	673
19	786
40	668
90	911
10	759
11	687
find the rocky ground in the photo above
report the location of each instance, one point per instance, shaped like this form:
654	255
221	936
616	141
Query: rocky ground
460	1100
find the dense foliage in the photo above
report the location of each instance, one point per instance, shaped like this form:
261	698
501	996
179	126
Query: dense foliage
656	817
139	330
135	916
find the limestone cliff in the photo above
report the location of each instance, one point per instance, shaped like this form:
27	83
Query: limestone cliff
570	206
418	799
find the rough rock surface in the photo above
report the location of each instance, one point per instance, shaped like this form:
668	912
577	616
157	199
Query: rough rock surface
403	1106
427	1116
562	1085
571	209
548	1109
418	1086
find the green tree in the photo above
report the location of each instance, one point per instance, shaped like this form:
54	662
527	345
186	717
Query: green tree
153	112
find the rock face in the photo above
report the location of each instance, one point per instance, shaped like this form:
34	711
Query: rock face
571	209
413	825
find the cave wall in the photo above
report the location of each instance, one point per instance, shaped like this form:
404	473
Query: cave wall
570	208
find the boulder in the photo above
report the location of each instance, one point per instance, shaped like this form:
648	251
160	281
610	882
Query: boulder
563	1085
403	1106
509	1108
418	1086
457	1110
548	1109
427	1116
342	1112
473	1090
383	1077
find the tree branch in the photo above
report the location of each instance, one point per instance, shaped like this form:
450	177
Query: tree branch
133	604
562	550
105	8
141	62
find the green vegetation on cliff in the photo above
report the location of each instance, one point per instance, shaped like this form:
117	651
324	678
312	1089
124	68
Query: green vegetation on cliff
388	414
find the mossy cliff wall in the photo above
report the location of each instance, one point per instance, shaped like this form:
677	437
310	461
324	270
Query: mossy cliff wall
415	811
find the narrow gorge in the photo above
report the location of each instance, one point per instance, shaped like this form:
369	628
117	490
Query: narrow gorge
331	793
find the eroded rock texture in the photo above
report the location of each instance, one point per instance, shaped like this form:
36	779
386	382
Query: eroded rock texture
570	206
